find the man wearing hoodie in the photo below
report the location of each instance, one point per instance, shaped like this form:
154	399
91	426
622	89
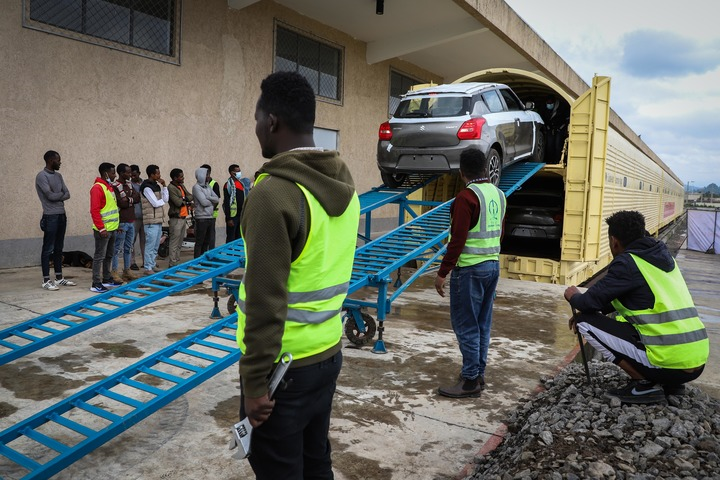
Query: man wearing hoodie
299	228
656	336
106	220
205	202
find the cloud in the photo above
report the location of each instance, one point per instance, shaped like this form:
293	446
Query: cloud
655	53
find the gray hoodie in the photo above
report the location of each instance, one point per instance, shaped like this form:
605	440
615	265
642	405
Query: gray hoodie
205	198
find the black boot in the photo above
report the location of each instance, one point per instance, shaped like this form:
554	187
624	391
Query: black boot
464	388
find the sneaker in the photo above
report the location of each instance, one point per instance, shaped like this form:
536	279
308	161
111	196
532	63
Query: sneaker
157	269
111	283
462	389
50	285
677	390
638	391
134	267
65	282
98	289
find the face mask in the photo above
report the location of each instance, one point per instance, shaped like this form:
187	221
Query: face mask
238	175
550	106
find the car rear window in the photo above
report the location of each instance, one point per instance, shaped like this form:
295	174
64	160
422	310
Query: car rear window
433	106
532	199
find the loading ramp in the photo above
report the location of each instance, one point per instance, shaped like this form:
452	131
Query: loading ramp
56	437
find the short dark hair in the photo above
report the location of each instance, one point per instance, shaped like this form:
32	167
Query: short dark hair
151	169
134	168
207	167
233	167
50	155
105	167
626	225
473	163
289	97
175	173
121	167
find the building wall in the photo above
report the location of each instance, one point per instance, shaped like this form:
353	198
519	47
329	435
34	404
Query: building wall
93	104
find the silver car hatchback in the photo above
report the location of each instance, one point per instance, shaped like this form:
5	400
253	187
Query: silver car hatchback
433	125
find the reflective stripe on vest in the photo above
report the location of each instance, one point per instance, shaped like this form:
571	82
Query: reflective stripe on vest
109	213
671	330
483	240
318	281
216	208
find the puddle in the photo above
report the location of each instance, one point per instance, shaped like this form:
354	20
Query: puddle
29	382
6	409
119	350
69	362
179	336
227	412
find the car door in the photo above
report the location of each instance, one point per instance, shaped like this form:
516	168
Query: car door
523	123
501	121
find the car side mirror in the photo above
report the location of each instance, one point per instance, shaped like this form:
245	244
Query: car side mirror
529	105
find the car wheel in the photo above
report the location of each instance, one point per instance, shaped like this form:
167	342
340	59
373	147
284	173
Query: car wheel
538	155
393	180
494	167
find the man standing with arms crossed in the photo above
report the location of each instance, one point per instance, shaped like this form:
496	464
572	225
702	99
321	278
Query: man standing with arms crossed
127	198
154	197
181	203
52	192
106	220
233	198
473	252
215	187
139	227
299	229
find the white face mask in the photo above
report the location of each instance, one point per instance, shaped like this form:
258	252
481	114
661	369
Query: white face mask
238	175
550	106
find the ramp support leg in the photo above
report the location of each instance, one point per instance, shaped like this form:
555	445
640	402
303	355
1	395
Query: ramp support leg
380	343
216	310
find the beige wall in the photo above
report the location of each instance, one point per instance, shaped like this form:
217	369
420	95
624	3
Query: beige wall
93	104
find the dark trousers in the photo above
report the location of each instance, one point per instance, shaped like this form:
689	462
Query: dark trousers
204	228
212	234
54	227
104	250
232	233
293	444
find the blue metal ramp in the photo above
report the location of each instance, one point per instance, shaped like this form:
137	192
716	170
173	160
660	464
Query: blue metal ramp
53	439
51	328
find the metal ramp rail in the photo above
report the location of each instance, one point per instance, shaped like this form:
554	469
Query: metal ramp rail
56	437
51	440
48	329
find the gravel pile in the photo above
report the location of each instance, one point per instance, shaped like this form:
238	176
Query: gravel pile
571	431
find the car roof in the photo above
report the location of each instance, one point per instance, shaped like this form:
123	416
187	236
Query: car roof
463	88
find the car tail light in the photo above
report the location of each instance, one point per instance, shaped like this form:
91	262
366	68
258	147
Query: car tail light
471	129
385	132
558	218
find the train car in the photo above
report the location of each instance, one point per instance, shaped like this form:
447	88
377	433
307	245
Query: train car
601	171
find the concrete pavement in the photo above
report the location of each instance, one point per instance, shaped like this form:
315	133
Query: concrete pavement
388	422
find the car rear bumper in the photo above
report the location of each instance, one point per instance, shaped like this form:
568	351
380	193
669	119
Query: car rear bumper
422	160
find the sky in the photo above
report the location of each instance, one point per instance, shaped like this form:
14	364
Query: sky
663	58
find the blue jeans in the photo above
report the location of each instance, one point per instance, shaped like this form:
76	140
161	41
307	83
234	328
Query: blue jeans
54	227
153	234
472	292
293	443
124	237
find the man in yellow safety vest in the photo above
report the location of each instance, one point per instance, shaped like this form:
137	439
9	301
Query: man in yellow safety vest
106	220
299	229
656	335
477	221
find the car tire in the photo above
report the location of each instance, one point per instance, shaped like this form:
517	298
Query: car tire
538	155
393	180
494	166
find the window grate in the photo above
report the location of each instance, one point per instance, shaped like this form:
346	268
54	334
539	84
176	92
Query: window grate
145	27
399	85
318	62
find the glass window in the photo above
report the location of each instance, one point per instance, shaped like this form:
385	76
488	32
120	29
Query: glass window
399	85
318	62
510	100
492	100
145	27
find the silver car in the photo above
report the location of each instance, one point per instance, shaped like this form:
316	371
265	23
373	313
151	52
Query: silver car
433	125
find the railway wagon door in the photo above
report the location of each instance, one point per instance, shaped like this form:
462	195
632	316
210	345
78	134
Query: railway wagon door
585	173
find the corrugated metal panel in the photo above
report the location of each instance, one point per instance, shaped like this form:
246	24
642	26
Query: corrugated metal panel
589	121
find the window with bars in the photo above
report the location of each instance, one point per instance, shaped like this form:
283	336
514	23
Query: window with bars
146	27
320	63
399	85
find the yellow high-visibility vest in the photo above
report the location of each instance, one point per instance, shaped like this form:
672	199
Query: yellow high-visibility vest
483	240
109	213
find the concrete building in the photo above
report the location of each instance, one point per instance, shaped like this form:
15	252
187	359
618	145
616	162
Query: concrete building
174	83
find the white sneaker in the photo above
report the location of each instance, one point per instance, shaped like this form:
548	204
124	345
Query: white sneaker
63	282
50	285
